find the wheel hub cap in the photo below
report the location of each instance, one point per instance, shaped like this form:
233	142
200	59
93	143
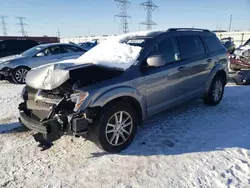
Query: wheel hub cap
21	75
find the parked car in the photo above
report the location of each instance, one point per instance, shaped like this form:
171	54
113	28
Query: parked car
241	57
13	47
237	64
16	67
242	49
112	88
229	44
88	45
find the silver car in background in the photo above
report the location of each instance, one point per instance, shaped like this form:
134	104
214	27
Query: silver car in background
15	68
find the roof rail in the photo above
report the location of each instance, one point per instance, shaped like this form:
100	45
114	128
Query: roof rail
188	29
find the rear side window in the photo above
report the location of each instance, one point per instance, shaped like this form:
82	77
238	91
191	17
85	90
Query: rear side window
71	49
191	46
168	48
213	43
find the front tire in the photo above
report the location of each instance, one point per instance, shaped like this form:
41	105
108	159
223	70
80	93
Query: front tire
216	91
116	127
19	75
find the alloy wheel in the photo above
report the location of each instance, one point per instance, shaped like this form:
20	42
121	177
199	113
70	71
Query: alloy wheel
217	92
119	128
20	75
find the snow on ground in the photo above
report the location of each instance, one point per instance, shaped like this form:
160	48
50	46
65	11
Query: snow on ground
192	145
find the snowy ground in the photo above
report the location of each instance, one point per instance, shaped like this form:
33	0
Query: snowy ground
190	146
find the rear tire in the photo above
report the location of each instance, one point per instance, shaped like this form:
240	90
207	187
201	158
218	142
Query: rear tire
19	75
116	127
216	91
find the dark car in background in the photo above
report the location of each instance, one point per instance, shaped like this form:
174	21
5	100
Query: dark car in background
228	44
88	45
13	47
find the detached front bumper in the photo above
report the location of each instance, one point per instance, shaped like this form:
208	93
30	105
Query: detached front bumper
50	129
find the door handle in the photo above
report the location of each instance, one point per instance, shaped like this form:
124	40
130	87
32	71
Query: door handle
209	60
181	68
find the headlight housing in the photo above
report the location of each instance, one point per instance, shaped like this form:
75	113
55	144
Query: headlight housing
2	65
23	92
78	99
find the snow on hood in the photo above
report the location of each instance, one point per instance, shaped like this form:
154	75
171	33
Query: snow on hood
114	52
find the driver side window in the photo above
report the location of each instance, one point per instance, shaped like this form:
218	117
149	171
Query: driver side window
169	48
53	50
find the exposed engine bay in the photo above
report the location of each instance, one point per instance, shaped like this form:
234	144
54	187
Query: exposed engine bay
52	113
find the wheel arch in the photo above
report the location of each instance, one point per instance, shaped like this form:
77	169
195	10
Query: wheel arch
218	70
128	94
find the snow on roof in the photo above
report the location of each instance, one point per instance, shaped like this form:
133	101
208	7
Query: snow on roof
114	52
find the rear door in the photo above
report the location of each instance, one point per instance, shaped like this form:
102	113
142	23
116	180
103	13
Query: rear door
196	69
71	52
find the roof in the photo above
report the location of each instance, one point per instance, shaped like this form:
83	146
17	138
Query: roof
154	33
53	44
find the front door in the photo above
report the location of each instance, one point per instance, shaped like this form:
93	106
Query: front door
50	55
166	84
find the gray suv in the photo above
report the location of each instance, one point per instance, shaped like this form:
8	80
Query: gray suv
108	92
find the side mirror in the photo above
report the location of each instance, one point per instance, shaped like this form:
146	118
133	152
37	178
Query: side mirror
156	61
40	54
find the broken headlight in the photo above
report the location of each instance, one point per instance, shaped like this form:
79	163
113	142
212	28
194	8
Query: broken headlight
78	99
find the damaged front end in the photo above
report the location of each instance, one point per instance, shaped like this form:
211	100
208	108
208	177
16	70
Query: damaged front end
53	114
60	107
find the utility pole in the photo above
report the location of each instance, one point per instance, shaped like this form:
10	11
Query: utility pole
150	7
123	5
4	25
22	24
58	34
230	23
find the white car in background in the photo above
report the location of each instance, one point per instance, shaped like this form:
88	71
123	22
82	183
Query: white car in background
15	68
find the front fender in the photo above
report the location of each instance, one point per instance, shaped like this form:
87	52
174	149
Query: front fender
212	74
114	93
15	64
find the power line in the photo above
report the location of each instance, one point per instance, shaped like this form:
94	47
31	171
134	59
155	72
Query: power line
123	5
22	24
58	34
150	7
4	25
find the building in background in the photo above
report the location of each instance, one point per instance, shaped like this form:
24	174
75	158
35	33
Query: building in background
43	39
239	37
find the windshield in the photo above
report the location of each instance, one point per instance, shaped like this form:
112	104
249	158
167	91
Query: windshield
116	52
32	51
247	43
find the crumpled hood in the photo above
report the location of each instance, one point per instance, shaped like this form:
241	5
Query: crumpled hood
239	51
48	77
9	58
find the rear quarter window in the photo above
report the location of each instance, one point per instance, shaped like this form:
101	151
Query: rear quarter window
191	46
213	43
